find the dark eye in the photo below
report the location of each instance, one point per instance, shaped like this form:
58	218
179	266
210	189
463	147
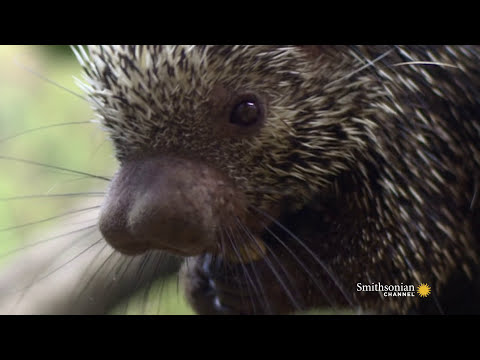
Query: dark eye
246	113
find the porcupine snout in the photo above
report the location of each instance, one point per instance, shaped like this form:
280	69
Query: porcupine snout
162	202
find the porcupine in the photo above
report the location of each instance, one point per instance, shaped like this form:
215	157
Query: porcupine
288	174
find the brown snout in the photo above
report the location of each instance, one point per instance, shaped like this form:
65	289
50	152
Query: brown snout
166	203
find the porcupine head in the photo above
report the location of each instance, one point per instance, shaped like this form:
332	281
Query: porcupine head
255	164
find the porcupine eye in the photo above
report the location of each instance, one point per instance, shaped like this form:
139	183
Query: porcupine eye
246	113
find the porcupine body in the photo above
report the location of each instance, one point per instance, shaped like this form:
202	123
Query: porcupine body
288	174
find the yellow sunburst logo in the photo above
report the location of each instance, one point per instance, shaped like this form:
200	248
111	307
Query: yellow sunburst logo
424	290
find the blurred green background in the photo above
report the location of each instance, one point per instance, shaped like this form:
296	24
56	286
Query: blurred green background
28	102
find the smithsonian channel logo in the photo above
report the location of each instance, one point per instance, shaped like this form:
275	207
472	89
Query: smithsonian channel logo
402	290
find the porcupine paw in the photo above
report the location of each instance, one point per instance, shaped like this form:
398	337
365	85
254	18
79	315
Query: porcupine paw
213	287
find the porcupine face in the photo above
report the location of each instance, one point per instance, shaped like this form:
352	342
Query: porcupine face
253	161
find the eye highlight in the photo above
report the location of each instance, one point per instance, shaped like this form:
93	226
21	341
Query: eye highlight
246	113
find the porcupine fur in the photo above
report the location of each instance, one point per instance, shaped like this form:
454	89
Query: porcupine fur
372	152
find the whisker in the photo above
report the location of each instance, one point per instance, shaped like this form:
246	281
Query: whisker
25	289
70	260
35	163
143	263
95	220
285	271
216	258
228	236
47	196
303	266
250	285
107	259
72	212
43	128
178	281
147	287
276	274
314	256
66	181
159	259
44	78
115	268
90	264
161	290
255	273
48	239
